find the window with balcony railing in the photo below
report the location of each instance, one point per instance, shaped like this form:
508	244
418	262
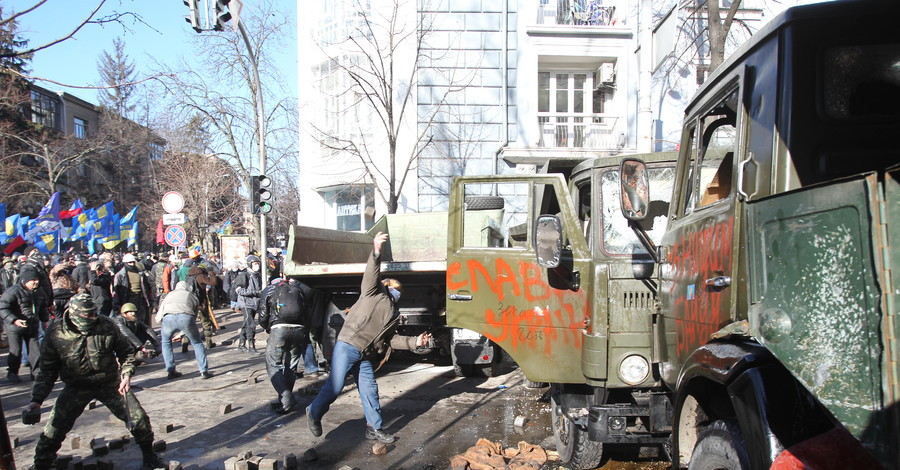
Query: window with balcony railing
571	111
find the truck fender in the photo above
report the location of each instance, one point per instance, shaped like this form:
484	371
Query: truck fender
744	382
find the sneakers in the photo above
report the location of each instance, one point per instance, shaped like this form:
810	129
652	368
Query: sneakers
207	375
314	425
184	348
12	377
173	374
378	434
288	402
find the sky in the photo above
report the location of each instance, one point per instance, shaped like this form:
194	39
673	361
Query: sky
165	37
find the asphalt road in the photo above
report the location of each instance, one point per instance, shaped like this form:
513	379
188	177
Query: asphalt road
434	415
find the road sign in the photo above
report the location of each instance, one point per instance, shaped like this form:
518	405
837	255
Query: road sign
172	202
175	235
173	219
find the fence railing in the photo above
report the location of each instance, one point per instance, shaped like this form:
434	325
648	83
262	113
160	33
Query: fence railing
579	130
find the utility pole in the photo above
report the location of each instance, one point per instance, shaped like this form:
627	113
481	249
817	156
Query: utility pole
261	145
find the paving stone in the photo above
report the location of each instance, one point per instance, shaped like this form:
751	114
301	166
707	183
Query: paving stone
253	463
159	446
225	409
105	465
93	405
168	428
115	444
74	441
289	461
174	465
231	464
62	462
241	465
268	464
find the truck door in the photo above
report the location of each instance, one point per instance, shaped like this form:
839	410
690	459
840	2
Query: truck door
697	272
495	285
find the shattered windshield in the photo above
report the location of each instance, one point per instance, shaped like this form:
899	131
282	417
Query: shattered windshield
618	238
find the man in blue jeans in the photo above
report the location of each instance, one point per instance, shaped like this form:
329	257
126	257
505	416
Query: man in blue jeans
178	312
364	343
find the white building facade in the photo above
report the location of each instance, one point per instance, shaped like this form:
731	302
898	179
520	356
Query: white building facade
492	87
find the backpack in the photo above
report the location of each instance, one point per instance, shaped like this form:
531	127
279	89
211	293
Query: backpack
290	305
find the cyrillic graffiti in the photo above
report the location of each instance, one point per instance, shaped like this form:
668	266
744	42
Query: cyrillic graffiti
551	315
700	310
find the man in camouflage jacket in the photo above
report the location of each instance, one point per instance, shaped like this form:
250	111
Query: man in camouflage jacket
85	350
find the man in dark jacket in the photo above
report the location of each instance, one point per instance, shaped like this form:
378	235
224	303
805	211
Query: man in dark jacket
284	316
84	350
81	272
44	293
137	332
21	320
131	284
248	301
366	338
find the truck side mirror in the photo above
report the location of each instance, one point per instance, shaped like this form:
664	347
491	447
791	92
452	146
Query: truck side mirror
635	189
548	240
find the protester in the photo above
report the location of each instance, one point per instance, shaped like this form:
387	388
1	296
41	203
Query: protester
22	320
101	286
131	284
138	334
34	263
234	278
283	315
81	272
364	343
85	350
178	312
248	302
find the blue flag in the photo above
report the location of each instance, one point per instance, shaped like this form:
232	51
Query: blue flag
46	242
50	210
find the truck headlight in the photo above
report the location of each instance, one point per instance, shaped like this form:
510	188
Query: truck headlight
634	369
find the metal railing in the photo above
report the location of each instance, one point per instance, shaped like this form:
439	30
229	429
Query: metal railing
579	130
575	12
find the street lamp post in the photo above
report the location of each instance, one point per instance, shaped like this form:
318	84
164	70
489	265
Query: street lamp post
261	144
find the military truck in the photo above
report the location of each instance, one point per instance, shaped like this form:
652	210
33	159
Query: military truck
778	327
332	262
570	297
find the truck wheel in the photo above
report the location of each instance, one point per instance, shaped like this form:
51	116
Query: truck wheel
720	446
573	445
481	203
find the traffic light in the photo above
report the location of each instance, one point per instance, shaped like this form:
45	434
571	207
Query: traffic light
260	194
223	15
194	17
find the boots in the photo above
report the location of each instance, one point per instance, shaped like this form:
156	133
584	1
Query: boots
151	460
241	343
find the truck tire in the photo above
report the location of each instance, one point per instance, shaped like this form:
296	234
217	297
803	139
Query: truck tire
481	203
720	447
573	445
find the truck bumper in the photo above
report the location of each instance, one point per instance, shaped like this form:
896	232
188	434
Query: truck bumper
618	423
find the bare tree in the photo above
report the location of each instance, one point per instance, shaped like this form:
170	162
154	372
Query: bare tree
380	56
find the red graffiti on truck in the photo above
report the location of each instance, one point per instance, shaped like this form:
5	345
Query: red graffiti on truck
551	315
700	310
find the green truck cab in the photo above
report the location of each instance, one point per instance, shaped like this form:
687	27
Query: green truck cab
778	306
569	294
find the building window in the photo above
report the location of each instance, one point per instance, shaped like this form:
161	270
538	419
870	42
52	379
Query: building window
44	109
354	207
80	128
156	151
570	108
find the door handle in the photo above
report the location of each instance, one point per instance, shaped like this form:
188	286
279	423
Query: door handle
719	281
460	297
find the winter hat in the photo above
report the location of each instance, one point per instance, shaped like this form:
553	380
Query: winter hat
29	275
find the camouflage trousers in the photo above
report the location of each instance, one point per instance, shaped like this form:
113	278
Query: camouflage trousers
69	406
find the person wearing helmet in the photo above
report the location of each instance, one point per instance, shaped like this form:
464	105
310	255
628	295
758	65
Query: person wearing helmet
131	284
139	334
248	302
85	351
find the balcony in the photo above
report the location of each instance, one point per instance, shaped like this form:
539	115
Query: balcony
575	13
588	131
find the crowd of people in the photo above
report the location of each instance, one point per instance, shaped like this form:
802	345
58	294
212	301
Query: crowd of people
90	321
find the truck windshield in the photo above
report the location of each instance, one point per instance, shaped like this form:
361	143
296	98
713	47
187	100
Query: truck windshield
618	238
862	81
